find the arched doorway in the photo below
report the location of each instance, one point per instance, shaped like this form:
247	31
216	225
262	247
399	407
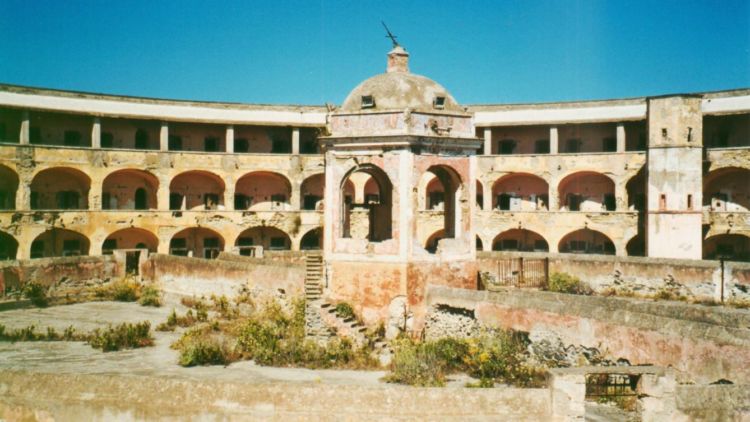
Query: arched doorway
520	192
587	191
587	241
270	238
8	188
130	238
730	247
60	188
371	219
198	242
59	242
8	247
129	189
196	190
312	240
520	240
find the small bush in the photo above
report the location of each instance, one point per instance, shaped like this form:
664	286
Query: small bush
204	351
739	303
566	283
415	364
123	336
344	310
123	290
30	334
37	294
150	296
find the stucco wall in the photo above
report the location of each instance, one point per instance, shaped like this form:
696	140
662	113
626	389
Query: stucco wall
50	272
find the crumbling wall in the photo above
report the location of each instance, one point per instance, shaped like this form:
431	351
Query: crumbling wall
60	275
191	276
692	279
704	343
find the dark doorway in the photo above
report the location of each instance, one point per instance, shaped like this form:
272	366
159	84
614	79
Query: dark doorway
131	262
141	203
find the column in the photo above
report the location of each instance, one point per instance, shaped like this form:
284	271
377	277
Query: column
295	141
488	141
553	143
229	139
295	201
487	195
554	200
95	193
96	133
620	137
621	196
23	136
164	137
162	194
229	193
23	194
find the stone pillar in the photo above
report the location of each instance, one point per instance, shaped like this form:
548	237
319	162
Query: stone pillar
568	395
164	137
229	194
295	141
229	139
487	141
620	137
295	196
621	196
95	194
96	133
553	141
23	136
487	195
23	195
554	198
162	194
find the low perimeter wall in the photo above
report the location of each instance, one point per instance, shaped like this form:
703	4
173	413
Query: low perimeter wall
35	396
709	280
62	275
705	343
227	276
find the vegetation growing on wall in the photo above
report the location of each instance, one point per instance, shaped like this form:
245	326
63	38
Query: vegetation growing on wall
566	283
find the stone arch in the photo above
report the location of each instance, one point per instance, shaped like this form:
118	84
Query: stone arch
59	242
432	242
262	191
636	246
196	190
636	190
727	189
520	240
586	241
312	240
198	242
8	247
520	192
311	192
60	188
371	219
130	238
129	189
450	181
270	238
731	247
587	191
479	245
8	188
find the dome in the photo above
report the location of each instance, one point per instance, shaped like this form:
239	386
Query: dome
397	89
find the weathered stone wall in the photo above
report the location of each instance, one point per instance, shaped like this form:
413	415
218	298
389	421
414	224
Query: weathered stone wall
191	276
27	396
59	274
644	276
704	343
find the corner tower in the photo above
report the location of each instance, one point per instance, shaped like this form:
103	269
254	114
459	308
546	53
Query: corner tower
400	174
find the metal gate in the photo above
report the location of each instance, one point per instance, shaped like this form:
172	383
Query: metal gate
521	272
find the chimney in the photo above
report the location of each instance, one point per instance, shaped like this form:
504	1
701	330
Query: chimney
398	60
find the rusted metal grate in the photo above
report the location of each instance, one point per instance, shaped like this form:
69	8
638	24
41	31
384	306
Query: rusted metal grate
610	386
520	272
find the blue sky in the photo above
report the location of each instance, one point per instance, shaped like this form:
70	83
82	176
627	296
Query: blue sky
312	52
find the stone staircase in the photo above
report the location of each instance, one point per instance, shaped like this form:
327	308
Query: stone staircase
344	327
315	327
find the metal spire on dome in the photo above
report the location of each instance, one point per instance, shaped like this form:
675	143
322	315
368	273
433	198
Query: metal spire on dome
391	36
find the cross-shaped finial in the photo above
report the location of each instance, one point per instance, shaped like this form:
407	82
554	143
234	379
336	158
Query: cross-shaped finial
390	35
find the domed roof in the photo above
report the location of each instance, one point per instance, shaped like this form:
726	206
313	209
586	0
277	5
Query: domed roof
398	90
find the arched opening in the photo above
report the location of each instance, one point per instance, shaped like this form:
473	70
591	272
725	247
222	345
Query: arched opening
8	247
727	189
587	191
60	188
311	192
444	197
479	244
129	189
432	242
130	238
270	238
637	245
8	188
196	190
480	196
370	219
59	242
262	191
520	192
198	242
312	240
587	241
520	240
636	188
730	247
